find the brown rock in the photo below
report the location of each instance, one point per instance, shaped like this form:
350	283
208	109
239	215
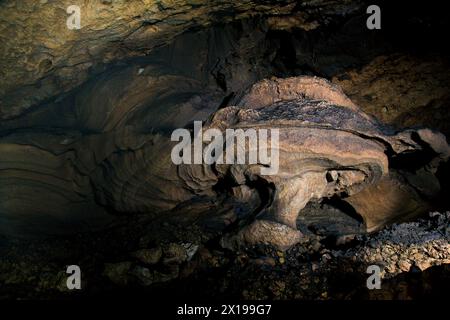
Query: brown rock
424	264
174	254
148	256
404	265
268	232
118	272
326	148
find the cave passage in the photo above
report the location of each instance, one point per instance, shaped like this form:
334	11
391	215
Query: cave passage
112	136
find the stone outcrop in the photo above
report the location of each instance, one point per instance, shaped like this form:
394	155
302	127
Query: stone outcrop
330	147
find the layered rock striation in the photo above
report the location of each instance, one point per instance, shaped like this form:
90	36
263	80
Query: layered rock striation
62	181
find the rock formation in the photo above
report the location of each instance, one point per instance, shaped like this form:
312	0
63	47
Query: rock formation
328	148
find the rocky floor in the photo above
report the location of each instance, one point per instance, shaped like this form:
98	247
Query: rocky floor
414	258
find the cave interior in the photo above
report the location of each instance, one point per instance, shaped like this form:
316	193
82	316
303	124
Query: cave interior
85	127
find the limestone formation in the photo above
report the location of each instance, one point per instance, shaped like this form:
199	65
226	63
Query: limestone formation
328	148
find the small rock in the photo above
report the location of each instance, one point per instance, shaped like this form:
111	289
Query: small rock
164	277
390	268
277	288
265	261
326	257
314	267
144	275
423	264
341	240
404	265
148	256
191	249
117	272
174	254
315	247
